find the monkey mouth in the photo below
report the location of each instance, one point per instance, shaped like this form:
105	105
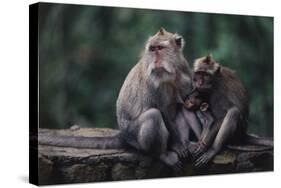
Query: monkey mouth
189	106
204	86
204	89
159	70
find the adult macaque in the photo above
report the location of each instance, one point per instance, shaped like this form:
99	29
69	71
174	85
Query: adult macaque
146	105
229	106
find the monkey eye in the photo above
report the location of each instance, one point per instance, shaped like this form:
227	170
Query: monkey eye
152	48
206	76
160	47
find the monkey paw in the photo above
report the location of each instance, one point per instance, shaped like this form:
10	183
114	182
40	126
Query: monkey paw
204	159
178	168
182	152
171	159
195	149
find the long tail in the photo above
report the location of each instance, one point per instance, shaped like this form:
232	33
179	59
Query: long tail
110	142
249	148
253	143
253	139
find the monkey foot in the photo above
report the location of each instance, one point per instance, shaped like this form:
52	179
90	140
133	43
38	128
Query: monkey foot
172	160
204	159
177	168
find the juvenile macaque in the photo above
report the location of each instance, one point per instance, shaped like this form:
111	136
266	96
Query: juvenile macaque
196	102
199	104
146	105
193	116
228	104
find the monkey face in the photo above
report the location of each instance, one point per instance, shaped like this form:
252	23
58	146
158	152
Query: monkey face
193	101
162	55
205	69
159	53
202	81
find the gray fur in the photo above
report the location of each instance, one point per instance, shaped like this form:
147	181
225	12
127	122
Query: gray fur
147	101
146	105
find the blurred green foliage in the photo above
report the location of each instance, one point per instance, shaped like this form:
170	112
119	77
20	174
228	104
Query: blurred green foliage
85	53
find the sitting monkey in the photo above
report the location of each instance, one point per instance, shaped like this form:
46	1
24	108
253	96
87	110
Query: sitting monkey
194	116
211	124
146	105
199	103
230	108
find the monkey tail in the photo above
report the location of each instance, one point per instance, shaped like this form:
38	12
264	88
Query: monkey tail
253	143
253	139
249	148
110	142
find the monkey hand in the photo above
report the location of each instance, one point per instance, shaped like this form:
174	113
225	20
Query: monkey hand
182	151
204	159
196	149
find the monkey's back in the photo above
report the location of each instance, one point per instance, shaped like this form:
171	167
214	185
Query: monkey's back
229	92
129	104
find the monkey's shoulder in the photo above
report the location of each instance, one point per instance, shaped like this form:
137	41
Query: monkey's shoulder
131	93
228	92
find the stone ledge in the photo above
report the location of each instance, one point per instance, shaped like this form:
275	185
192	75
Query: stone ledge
59	165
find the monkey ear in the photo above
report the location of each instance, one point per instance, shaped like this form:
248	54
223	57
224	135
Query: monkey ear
208	58
161	31
179	41
217	68
204	106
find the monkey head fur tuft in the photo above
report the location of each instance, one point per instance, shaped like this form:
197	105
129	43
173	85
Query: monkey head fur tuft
206	64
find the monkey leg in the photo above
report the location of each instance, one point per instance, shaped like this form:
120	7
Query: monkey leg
152	134
226	131
152	137
207	139
180	136
171	159
193	122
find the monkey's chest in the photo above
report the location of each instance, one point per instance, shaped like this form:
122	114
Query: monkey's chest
165	103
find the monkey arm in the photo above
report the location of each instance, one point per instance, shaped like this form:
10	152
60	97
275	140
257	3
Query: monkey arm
225	132
193	122
180	135
184	82
208	135
185	122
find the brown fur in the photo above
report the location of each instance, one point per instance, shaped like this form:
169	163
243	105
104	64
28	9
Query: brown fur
228	103
228	92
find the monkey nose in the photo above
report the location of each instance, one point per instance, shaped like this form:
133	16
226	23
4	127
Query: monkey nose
157	63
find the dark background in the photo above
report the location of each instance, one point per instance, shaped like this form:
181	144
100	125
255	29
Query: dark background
85	53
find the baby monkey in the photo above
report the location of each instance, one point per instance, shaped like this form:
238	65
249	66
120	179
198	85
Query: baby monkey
195	116
199	104
195	102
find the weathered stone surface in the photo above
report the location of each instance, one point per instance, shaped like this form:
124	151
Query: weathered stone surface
72	165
